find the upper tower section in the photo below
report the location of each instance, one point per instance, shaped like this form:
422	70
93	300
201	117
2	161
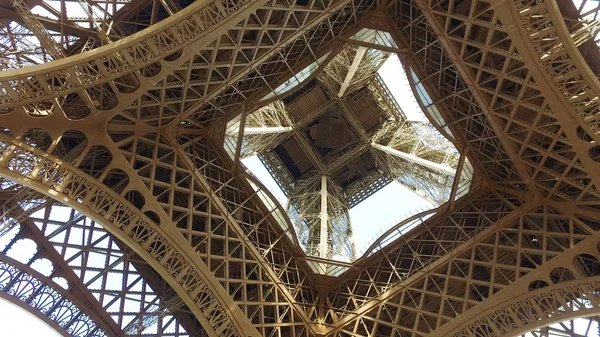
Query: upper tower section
336	133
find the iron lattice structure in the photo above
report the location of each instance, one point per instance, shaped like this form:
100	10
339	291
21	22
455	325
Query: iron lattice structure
339	139
115	178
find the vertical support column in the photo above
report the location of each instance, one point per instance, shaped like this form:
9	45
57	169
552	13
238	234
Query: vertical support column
457	179
319	212
240	137
350	232
324	219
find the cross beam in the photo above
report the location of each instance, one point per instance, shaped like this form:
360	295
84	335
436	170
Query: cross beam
443	169
360	53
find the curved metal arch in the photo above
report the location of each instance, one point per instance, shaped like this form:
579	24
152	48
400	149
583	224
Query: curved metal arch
396	230
335	49
258	101
532	310
23	286
542	40
98	66
277	211
567	328
67	184
583	97
518	308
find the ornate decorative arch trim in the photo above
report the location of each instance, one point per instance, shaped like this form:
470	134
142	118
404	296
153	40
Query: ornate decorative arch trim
35	169
556	45
45	299
549	48
555	303
202	19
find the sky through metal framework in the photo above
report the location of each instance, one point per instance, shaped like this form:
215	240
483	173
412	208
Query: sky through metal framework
405	146
410	110
130	206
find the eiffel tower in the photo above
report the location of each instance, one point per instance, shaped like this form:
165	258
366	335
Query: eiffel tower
128	209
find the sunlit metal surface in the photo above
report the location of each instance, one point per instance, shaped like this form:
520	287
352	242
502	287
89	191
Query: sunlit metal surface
132	116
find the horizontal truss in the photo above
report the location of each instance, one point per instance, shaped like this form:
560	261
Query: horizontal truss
513	83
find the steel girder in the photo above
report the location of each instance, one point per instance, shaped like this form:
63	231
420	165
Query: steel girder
507	77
